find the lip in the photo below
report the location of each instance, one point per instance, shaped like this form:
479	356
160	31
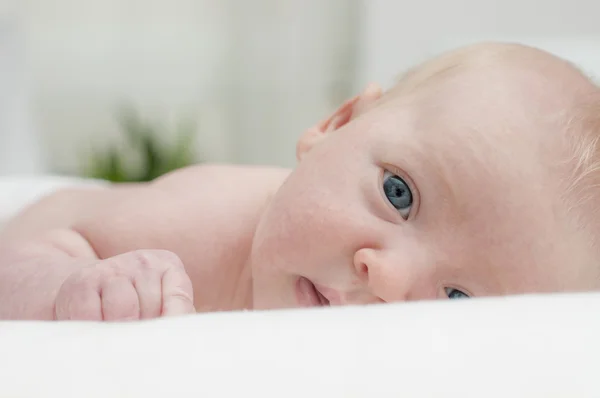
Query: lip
332	296
308	295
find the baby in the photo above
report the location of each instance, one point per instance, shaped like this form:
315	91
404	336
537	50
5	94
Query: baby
476	175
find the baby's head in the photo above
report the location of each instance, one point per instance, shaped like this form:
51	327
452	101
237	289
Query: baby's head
475	175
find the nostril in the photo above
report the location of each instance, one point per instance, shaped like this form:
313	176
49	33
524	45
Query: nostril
363	271
365	264
370	273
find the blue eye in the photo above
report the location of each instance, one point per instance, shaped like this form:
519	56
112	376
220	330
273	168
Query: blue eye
455	293
398	193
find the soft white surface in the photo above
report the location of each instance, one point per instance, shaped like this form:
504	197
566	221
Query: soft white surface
517	347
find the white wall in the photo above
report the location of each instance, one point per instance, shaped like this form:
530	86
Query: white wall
253	73
399	33
20	151
87	57
296	63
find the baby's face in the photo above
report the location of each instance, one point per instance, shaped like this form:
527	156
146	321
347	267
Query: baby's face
448	199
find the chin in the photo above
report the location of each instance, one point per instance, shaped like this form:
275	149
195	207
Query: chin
269	303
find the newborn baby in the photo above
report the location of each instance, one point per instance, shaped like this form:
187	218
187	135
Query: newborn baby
476	175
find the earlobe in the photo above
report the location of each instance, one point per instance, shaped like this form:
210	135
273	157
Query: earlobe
346	112
308	140
370	95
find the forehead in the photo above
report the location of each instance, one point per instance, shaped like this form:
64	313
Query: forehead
488	177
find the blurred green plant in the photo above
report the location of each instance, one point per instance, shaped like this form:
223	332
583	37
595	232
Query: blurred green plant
112	163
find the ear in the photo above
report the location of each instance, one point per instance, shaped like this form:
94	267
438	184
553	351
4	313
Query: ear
348	111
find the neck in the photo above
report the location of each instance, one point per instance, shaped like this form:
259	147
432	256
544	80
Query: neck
242	297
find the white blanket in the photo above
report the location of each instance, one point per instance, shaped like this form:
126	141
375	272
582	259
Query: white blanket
511	347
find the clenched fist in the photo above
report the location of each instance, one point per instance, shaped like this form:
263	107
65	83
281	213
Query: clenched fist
141	284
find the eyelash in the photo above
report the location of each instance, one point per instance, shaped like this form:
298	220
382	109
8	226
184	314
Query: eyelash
449	289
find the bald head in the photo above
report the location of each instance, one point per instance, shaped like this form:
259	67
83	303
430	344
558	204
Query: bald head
511	93
496	59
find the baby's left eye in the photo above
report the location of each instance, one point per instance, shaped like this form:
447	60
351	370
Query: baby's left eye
455	293
398	193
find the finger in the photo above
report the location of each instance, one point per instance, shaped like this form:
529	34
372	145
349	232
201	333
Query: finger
177	293
149	292
119	300
78	302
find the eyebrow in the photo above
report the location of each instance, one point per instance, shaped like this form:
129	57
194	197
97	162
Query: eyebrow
438	168
451	157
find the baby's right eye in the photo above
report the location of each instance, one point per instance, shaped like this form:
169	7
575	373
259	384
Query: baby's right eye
398	193
455	293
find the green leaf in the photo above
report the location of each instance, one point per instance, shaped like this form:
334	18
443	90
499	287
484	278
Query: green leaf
157	159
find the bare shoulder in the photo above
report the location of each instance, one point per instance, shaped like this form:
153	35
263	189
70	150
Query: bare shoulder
263	180
203	203
187	187
206	214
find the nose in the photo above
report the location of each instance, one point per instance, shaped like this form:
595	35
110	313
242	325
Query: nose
382	277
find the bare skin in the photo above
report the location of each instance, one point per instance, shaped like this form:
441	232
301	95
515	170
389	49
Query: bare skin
446	189
209	231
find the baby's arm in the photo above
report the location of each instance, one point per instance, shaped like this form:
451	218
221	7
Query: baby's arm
205	216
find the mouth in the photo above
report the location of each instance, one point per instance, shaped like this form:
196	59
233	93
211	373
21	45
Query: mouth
308	295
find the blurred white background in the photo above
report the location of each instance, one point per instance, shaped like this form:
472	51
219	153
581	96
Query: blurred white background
253	74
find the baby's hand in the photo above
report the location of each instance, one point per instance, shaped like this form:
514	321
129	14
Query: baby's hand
136	285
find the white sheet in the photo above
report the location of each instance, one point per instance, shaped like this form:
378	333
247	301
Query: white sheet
514	347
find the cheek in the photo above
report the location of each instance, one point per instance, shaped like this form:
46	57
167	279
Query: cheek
309	226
